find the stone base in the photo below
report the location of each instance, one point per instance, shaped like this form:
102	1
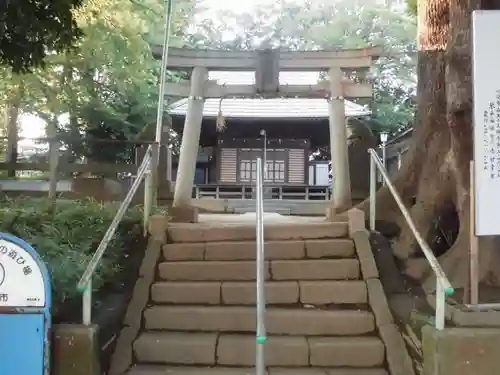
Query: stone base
185	214
157	227
334	215
461	351
75	350
165	192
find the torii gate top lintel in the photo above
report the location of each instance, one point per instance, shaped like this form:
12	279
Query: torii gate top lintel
267	64
180	58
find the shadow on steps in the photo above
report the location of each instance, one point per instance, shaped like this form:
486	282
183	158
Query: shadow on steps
407	299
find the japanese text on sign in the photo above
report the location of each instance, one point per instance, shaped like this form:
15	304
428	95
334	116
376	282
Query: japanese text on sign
486	120
21	281
491	138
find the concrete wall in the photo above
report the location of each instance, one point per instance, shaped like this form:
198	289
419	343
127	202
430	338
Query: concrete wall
75	350
461	351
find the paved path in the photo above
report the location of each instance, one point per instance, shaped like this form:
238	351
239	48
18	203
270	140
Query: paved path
34	185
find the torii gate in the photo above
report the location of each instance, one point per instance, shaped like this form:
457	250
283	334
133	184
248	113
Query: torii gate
267	65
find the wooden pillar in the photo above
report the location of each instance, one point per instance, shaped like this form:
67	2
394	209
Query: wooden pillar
190	139
341	189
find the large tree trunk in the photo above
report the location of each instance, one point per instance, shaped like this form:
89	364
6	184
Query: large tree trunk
430	131
436	171
14	110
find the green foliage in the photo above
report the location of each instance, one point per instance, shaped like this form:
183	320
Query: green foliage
67	239
31	29
314	25
412	7
106	86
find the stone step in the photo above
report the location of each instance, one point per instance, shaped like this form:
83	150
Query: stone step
323	292
200	232
246	250
239	350
185	370
275	209
319	269
279	321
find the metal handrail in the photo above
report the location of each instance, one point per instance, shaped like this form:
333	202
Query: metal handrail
85	282
260	367
443	286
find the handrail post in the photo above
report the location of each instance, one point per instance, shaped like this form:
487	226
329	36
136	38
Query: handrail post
440	305
373	192
151	186
148	201
87	304
260	367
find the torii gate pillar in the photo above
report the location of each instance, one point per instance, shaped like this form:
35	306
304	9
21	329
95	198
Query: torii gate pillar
182	209
341	180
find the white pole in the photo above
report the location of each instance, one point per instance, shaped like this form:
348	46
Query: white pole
265	157
260	366
384	159
151	181
163	72
373	192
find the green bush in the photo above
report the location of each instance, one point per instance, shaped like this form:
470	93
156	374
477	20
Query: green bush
67	239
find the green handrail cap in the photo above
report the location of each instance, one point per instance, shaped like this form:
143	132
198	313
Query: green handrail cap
449	291
82	288
261	339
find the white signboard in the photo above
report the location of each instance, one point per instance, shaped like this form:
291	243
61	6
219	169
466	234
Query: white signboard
486	88
21	281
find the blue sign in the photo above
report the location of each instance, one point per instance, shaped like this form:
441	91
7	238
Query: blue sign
25	304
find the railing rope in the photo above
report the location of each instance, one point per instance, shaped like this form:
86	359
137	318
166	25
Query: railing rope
443	286
260	367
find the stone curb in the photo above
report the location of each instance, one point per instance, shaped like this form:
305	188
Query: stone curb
398	359
471	319
122	358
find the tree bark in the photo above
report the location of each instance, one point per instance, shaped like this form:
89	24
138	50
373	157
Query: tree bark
13	112
437	169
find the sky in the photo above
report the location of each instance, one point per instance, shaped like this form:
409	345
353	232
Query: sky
34	127
234	6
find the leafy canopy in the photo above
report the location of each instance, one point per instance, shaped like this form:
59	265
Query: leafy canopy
312	25
32	29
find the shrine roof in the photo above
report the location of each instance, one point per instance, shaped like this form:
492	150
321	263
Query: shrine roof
269	108
276	108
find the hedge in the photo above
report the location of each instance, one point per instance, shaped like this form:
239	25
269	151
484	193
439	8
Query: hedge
67	238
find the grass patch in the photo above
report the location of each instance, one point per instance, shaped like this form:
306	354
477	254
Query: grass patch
67	239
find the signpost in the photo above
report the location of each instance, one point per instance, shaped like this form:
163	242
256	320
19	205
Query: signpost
486	87
25	304
485	167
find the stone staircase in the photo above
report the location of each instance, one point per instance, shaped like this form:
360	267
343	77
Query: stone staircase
201	317
281	207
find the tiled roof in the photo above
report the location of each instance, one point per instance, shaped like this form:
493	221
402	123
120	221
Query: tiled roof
269	108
